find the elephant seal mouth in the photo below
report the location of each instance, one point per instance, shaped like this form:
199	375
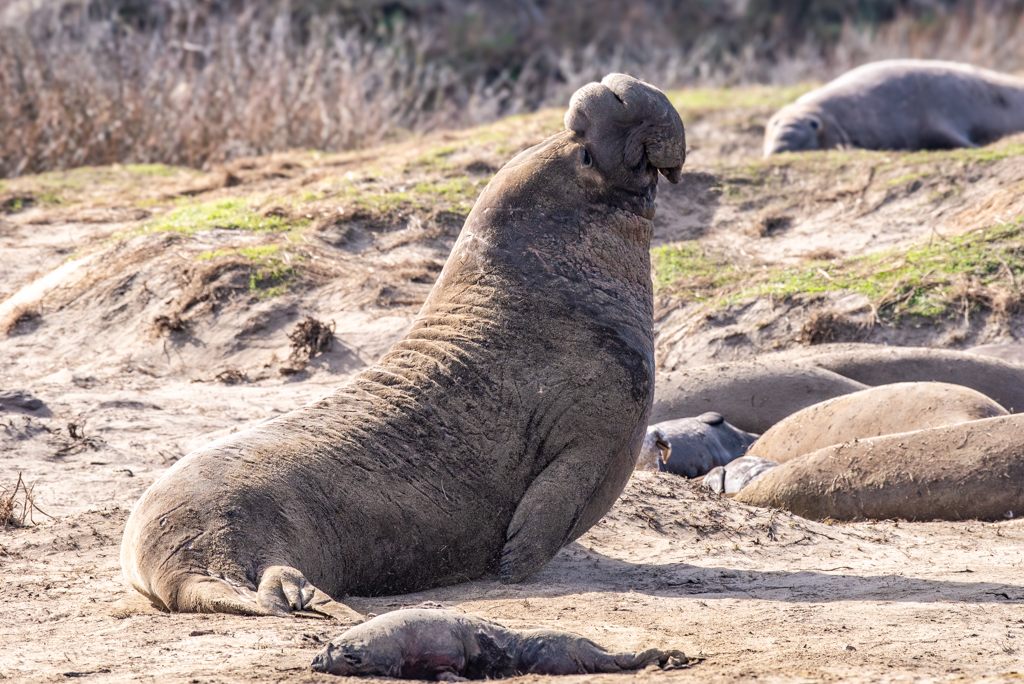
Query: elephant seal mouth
648	198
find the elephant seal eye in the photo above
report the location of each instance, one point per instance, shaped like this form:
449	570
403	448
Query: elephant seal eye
585	158
814	124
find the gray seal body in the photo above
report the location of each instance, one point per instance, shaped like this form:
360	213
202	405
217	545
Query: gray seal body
901	104
417	643
692	446
730	478
502	427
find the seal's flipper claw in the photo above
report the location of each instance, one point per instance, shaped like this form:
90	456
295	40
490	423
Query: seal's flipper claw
285	590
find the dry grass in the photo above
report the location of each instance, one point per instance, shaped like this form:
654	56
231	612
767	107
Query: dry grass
182	84
18	505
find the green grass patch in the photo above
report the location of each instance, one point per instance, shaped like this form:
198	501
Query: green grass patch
225	214
689	272
746	97
272	268
930	280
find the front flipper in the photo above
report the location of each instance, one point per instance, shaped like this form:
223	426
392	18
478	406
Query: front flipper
944	137
555	503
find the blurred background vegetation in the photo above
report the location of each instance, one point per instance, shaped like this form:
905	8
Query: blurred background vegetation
197	82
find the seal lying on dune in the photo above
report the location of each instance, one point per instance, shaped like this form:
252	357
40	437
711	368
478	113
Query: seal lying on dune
967	471
882	410
445	645
502	427
692	446
901	104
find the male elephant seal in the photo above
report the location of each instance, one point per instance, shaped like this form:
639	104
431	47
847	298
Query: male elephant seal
445	645
730	478
901	104
692	446
500	428
966	471
899	407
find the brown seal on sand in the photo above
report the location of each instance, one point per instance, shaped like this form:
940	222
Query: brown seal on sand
754	394
882	410
502	427
445	645
968	471
901	104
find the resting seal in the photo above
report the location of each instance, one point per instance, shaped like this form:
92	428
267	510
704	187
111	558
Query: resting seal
882	410
881	365
1011	352
502	427
445	645
901	104
754	394
730	478
692	446
969	471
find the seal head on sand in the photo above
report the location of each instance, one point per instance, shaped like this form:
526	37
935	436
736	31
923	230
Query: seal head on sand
692	446
502	427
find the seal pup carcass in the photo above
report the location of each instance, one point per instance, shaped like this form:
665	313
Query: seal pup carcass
901	104
692	446
502	427
445	645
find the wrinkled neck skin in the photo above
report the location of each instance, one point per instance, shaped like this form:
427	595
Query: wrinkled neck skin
541	231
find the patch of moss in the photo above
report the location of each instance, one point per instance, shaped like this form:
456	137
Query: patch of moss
988	154
689	272
747	97
934	279
61	187
272	269
225	214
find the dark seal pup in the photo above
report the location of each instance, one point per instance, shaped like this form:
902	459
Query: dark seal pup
692	446
502	427
444	645
730	478
901	104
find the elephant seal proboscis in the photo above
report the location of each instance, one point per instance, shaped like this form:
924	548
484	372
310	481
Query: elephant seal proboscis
968	471
692	446
502	427
901	104
445	645
754	394
730	478
872	412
